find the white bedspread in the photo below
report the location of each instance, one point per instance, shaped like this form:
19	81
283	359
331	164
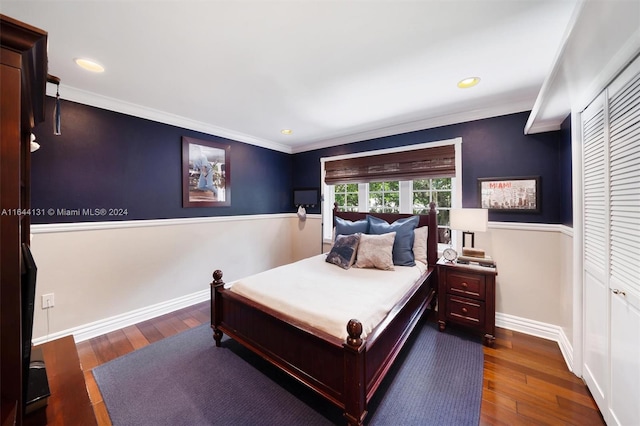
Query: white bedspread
326	296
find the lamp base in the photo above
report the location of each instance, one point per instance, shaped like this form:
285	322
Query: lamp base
472	252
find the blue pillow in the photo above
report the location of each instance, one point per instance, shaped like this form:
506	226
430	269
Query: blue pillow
403	244
346	227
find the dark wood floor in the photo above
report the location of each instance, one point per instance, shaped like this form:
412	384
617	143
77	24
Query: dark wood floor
526	381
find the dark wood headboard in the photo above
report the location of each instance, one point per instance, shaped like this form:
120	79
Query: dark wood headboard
429	219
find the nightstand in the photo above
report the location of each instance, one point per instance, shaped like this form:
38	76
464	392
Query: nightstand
467	296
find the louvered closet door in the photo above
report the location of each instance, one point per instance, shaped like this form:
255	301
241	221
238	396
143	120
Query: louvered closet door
624	278
596	236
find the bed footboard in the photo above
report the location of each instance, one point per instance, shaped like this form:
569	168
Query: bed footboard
345	372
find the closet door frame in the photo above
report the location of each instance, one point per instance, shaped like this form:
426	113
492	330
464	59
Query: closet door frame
608	304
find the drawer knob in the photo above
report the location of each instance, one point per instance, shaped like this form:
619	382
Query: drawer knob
464	310
464	285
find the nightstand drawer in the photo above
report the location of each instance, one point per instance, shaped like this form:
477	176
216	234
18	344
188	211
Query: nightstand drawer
468	285
466	311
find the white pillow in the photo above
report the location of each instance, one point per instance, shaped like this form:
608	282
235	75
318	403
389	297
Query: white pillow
420	243
376	251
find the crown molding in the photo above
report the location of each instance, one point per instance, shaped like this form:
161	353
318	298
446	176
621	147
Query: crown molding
116	105
428	123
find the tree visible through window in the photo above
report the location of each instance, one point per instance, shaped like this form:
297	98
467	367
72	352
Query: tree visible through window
384	197
346	196
439	191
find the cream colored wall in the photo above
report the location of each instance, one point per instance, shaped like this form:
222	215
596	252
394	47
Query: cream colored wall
532	281
101	271
306	238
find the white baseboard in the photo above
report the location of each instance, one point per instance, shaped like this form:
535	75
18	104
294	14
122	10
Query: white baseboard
538	329
98	328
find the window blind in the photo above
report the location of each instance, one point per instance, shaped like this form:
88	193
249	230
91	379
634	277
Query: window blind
406	165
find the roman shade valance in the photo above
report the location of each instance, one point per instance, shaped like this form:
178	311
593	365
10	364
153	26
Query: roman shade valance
405	165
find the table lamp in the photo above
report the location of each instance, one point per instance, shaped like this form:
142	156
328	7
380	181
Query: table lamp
469	221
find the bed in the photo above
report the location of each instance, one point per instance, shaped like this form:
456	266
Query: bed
346	371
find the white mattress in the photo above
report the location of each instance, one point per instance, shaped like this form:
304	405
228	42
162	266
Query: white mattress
326	296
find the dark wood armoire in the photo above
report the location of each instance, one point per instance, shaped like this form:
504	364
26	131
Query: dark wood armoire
23	85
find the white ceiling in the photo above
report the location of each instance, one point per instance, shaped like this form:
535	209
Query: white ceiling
332	71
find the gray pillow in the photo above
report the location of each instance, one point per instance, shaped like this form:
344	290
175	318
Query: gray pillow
343	252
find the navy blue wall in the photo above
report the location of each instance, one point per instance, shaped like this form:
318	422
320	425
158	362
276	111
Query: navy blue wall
109	160
494	147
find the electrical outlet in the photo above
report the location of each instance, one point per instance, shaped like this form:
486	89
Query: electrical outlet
47	301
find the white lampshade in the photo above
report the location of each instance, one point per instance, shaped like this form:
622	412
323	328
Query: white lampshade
471	220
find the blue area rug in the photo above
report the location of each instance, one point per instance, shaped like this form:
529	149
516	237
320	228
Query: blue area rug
186	380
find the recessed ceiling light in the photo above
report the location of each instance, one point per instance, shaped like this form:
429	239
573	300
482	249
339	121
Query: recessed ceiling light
468	82
286	131
89	65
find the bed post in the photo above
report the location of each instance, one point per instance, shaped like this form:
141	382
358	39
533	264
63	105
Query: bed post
355	387
216	305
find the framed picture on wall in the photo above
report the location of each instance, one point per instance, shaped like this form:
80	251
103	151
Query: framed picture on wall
512	194
206	173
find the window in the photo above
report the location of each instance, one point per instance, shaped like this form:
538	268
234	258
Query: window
427	190
346	196
396	196
439	191
384	197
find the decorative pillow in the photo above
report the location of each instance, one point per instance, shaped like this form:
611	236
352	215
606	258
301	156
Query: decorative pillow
343	252
403	245
375	251
420	243
347	227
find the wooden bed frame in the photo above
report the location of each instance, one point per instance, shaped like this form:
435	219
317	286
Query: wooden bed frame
347	373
